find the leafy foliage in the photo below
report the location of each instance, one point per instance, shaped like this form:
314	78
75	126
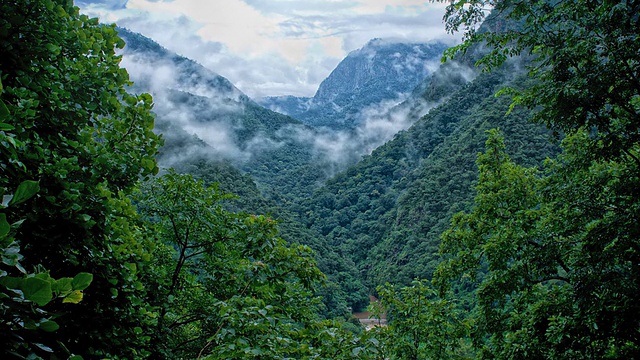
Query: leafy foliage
342	283
71	126
585	55
548	257
545	271
228	287
23	294
554	251
387	212
423	325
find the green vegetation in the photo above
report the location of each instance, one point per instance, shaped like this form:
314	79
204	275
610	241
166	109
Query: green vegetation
89	269
554	252
387	212
101	258
70	126
224	285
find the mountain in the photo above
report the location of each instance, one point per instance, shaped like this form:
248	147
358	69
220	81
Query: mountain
217	133
294	106
380	219
381	72
202	115
387	212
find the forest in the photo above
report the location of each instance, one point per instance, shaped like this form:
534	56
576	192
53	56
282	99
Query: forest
503	224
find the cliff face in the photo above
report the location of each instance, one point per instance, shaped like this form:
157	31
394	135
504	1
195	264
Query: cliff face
380	68
380	71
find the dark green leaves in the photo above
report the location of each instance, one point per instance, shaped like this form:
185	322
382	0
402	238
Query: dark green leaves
53	49
63	121
4	114
42	288
225	277
557	255
422	324
49	326
37	289
4	226
25	190
81	281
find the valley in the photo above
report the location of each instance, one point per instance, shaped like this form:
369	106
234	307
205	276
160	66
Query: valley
430	200
369	188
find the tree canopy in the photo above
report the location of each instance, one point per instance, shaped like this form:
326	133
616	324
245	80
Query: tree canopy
101	258
554	252
70	125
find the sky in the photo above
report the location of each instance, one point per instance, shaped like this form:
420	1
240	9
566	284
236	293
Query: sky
273	47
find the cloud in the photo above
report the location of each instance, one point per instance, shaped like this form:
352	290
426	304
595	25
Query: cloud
378	123
188	105
272	47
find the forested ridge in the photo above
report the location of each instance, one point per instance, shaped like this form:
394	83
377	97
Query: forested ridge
502	225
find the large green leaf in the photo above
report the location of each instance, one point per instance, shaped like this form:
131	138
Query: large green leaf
49	326
37	290
25	190
74	297
81	281
4	226
11	282
4	112
63	286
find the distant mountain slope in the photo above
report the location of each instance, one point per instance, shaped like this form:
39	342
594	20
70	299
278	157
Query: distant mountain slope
203	115
381	71
215	132
388	211
294	106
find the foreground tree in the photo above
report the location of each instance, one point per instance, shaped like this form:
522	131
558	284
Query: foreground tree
226	285
422	324
24	294
585	61
555	253
70	125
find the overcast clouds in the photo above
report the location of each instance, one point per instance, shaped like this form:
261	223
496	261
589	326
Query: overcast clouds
272	47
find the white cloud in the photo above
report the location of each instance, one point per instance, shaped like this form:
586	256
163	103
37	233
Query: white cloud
273	47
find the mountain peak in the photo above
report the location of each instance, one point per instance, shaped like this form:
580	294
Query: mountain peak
400	66
154	67
382	70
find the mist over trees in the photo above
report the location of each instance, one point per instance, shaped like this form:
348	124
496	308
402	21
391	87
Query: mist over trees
494	227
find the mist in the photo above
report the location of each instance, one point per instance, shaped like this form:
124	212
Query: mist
203	115
196	110
379	123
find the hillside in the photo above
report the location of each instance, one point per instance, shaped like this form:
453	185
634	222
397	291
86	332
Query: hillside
216	133
204	116
381	73
380	219
471	233
388	211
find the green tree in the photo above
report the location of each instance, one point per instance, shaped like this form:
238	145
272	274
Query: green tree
585	58
225	285
496	238
422	325
23	294
561	248
335	339
552	254
70	125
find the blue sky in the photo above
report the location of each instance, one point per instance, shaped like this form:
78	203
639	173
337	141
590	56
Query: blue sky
273	47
